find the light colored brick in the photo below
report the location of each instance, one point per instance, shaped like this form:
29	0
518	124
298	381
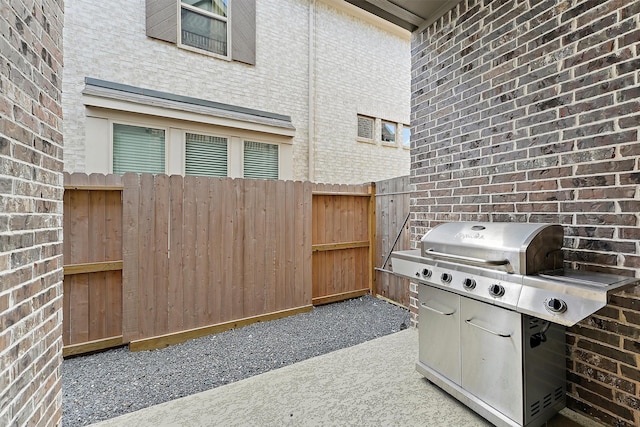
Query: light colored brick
358	68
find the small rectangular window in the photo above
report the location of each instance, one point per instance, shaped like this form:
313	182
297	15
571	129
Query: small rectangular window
406	136
204	25
205	155
260	160
138	149
388	133
365	127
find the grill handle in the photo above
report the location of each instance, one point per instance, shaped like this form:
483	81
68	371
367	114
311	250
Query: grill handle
469	260
469	322
423	305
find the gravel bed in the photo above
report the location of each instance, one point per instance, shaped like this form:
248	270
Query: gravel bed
111	383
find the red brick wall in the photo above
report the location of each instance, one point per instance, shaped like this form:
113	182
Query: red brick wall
529	111
30	212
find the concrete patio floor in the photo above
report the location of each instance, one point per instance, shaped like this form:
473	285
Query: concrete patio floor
370	384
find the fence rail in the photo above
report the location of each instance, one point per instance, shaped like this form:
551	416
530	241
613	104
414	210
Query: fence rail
153	260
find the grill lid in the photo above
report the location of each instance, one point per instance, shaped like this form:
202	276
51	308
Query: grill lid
520	248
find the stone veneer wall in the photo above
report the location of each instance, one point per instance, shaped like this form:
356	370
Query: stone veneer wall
30	212
529	111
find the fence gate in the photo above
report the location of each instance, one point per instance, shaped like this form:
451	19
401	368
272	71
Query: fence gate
92	295
342	242
392	214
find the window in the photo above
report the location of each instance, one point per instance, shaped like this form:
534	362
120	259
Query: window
365	127
260	160
406	136
224	28
205	155
203	25
138	149
388	132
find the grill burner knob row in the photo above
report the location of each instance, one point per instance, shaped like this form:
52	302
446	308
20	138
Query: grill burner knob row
496	290
555	305
469	283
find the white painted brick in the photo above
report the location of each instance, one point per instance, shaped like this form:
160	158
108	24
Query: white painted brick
359	68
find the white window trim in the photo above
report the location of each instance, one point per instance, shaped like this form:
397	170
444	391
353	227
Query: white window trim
402	128
395	139
227	19
359	138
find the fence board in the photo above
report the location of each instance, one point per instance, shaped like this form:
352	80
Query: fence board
175	295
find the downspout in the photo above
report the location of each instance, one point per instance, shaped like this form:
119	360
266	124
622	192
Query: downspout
312	91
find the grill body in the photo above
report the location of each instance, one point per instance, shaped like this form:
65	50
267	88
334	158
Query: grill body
494	301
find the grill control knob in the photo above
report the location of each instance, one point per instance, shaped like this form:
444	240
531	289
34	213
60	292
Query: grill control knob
555	305
426	273
446	278
469	283
496	290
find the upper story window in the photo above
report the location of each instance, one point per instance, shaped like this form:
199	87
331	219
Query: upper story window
388	133
204	25
365	128
222	28
406	136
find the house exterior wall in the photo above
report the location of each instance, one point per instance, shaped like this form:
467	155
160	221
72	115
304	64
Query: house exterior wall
30	213
110	44
529	111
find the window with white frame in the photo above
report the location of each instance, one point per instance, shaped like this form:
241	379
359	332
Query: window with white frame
221	28
203	25
138	149
388	132
365	128
260	160
406	136
205	155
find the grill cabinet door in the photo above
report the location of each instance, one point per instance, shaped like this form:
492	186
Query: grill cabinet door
439	330
491	339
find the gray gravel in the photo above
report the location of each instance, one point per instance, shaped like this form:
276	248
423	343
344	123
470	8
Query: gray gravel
111	383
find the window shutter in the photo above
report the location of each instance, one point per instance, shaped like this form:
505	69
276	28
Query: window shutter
205	155
162	20
243	31
138	149
260	160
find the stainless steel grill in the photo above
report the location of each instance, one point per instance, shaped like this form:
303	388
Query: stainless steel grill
494	300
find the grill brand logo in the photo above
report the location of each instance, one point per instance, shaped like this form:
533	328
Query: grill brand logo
462	236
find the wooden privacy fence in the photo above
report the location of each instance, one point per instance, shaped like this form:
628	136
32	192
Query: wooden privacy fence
152	260
392	234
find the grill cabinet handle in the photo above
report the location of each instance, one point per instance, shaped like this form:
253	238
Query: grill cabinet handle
423	305
478	261
469	321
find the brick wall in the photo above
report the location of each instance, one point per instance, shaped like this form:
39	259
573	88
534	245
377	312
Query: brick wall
30	212
529	111
279	82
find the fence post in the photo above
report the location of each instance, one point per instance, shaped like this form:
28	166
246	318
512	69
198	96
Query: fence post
372	238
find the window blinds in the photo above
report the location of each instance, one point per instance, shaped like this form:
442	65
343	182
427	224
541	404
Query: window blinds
138	149
260	160
205	155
